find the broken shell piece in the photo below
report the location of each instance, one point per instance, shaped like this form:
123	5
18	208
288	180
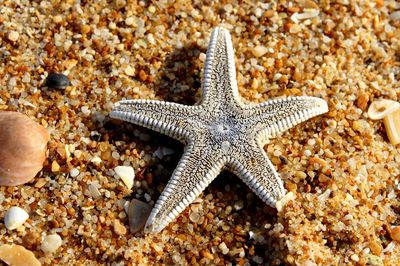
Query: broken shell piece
51	243
127	174
280	205
390	112
17	255
15	217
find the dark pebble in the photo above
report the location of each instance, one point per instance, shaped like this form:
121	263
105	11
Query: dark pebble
57	81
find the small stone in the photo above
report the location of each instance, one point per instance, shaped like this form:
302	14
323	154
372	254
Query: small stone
152	9
138	212
85	29
130	71
15	217
74	172
224	249
374	260
51	243
57	19
127	175
395	233
238	205
259	50
13	36
375	247
57	81
94	191
23	151
17	255
194	217
55	167
119	228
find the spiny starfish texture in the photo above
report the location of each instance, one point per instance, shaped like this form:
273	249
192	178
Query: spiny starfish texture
221	132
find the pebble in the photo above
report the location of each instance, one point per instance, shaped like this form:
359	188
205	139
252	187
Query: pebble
15	217
17	255
127	175
74	172
259	50
23	151
13	36
55	167
138	212
224	249
57	81
119	228
395	233
51	243
130	71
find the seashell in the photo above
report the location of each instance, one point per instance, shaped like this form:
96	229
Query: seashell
23	151
127	175
51	243
18	255
15	217
390	112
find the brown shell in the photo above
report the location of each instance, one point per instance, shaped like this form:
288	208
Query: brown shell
23	148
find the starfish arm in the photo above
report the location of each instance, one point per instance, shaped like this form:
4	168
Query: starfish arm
275	116
195	171
219	77
171	119
255	169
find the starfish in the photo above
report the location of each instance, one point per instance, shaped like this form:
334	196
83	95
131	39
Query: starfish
220	132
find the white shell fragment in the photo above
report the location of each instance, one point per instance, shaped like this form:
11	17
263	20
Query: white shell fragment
390	112
379	109
15	217
51	243
280	204
127	175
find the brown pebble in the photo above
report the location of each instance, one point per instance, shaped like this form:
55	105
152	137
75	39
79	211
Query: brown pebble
142	75
395	233
375	247
24	145
362	101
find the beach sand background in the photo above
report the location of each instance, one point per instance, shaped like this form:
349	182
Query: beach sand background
340	166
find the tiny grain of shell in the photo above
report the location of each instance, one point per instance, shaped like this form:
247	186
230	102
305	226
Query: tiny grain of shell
23	151
15	217
127	175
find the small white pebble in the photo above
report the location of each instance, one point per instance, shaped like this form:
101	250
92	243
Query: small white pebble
307	153
355	257
283	201
51	243
129	21
15	217
127	175
129	71
259	50
224	249
13	36
74	172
